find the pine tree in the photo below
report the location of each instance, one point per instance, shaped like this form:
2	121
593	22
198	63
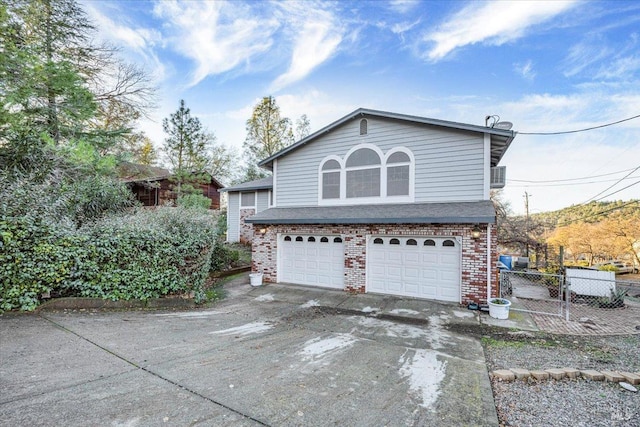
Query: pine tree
187	149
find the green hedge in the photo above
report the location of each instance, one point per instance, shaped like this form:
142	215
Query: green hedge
142	255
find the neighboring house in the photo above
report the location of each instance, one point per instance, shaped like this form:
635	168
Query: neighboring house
379	202
152	186
245	200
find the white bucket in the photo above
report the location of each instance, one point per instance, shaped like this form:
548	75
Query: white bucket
499	311
256	279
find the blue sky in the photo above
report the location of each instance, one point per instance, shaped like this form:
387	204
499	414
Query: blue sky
545	66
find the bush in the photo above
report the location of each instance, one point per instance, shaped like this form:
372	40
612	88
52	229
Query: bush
147	255
193	201
223	257
34	258
81	236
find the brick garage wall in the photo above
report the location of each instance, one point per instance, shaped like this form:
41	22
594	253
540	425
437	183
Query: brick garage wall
474	251
246	229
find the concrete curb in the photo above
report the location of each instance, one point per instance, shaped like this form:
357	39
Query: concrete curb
80	303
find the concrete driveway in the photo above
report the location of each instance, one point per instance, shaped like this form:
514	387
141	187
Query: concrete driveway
276	355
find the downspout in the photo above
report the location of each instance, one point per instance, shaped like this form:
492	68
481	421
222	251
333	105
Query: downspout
488	261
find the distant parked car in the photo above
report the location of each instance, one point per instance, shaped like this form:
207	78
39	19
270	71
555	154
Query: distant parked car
617	266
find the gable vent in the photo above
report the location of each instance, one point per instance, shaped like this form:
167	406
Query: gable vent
498	176
363	127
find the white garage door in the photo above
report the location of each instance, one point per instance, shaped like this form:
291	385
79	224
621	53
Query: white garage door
311	260
422	267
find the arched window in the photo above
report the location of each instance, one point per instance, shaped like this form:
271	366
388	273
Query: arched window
429	242
449	243
363	127
331	179
367	175
378	241
337	240
287	238
299	239
394	242
412	242
398	172
363	173
324	240
311	239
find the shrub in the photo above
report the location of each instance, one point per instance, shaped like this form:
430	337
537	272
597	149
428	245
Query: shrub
223	257
193	201
82	237
34	258
146	255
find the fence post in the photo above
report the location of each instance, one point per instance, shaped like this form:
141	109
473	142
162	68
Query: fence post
567	295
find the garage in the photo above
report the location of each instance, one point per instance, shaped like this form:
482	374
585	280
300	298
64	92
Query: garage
416	266
316	260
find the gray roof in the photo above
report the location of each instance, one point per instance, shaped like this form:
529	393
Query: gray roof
500	138
407	213
258	184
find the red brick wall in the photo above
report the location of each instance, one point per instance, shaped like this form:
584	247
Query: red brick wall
246	229
474	251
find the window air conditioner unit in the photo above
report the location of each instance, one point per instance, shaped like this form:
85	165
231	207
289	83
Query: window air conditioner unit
498	176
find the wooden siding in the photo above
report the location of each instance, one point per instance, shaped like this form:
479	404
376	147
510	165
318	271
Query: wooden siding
160	193
233	217
449	163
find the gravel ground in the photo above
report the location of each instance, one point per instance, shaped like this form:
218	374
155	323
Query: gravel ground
564	402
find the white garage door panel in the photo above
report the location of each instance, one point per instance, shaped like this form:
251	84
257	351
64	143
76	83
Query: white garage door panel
311	260
417	270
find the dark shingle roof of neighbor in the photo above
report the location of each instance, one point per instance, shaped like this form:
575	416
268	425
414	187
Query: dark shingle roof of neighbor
258	184
409	213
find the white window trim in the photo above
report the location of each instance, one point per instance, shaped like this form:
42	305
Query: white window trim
320	175
383	198
255	195
274	174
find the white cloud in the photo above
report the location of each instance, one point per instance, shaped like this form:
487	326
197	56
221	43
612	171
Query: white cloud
585	54
317	37
620	68
218	36
525	70
403	27
403	6
141	41
493	23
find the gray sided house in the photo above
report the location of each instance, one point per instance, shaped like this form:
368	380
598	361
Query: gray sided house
245	200
379	202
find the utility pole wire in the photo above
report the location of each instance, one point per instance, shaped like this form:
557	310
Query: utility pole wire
569	179
611	186
580	130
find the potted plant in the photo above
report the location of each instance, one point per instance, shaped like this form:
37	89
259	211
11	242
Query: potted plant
499	308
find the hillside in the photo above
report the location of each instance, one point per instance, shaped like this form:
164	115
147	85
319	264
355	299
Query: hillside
590	213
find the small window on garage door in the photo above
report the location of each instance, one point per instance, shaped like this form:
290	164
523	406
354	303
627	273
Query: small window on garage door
448	243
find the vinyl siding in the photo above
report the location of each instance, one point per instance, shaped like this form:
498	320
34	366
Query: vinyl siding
449	164
233	217
263	201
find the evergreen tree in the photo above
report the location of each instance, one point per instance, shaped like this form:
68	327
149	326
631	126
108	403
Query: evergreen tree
56	87
187	149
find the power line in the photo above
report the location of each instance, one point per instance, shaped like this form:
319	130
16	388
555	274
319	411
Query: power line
617	191
570	179
568	184
611	186
580	130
